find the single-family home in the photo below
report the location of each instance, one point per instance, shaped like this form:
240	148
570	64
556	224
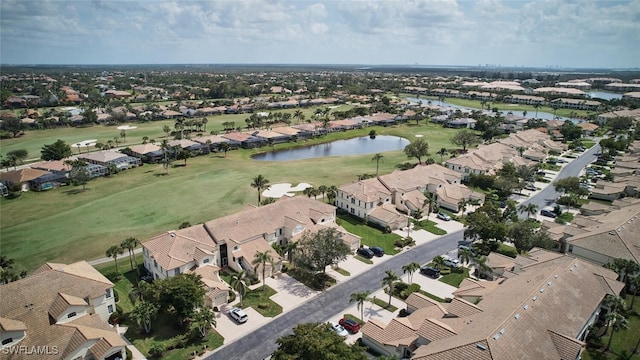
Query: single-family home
62	310
107	158
485	159
542	307
149	153
32	179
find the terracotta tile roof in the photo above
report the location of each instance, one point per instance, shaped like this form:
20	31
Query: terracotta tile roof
29	300
267	219
285	130
397	332
53	165
22	175
369	190
535	313
7	324
62	302
237	136
174	249
144	148
102	156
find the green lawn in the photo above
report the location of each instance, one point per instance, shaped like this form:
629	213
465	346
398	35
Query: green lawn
455	277
430	226
431	296
364	260
258	299
624	341
384	304
143	202
342	271
370	236
531	110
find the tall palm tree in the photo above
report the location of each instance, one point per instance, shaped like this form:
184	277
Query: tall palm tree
260	182
113	252
359	298
130	244
144	313
481	263
377	157
322	190
239	284
531	209
290	248
442	152
165	152
261	259
332	193
465	255
390	280
429	201
298	115
204	319
438	262
410	268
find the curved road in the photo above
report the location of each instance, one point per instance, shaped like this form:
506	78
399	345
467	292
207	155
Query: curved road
261	343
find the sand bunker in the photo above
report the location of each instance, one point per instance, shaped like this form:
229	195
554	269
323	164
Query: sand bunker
279	190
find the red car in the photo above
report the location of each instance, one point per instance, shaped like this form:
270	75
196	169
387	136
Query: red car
350	325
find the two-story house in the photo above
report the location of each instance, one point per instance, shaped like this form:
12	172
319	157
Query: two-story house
60	311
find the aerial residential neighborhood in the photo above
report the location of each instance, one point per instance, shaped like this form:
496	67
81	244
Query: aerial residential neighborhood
319	180
549	276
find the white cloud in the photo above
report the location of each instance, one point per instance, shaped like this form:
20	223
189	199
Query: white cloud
536	32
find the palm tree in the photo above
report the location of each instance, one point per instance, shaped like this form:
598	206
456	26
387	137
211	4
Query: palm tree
442	152
359	298
298	115
204	319
634	283
389	280
260	182
615	306
144	313
261	259
481	262
429	201
239	284
179	125
224	147
290	248
465	255
139	291
531	209
165	151
322	190
438	262
130	244
332	193
377	157
113	252
410	268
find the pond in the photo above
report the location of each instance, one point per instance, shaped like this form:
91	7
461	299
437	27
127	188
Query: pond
356	146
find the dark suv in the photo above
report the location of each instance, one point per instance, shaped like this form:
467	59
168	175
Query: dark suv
365	252
377	251
430	272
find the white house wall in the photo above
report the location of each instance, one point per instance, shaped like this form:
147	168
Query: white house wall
101	305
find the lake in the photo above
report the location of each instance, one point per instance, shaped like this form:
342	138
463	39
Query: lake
356	146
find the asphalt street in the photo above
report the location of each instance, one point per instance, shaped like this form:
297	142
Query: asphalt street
261	343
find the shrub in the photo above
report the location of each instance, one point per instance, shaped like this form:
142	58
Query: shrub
156	350
445	270
116	296
263	306
232	296
403	313
507	251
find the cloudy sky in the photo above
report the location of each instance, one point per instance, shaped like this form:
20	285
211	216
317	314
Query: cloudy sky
566	33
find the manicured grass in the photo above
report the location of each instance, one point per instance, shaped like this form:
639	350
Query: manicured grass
342	271
364	260
353	317
370	236
430	226
384	304
431	296
566	217
624	341
319	281
531	110
143	202
588	143
258	299
456	277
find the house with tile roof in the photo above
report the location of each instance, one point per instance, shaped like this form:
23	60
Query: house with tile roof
541	308
485	160
229	241
62	310
385	200
32	179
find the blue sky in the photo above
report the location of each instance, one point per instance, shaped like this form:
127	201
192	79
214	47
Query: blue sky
567	33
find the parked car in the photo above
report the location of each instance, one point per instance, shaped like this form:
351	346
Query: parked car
338	329
444	216
530	187
430	272
468	248
548	213
377	251
452	263
238	315
365	252
350	325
